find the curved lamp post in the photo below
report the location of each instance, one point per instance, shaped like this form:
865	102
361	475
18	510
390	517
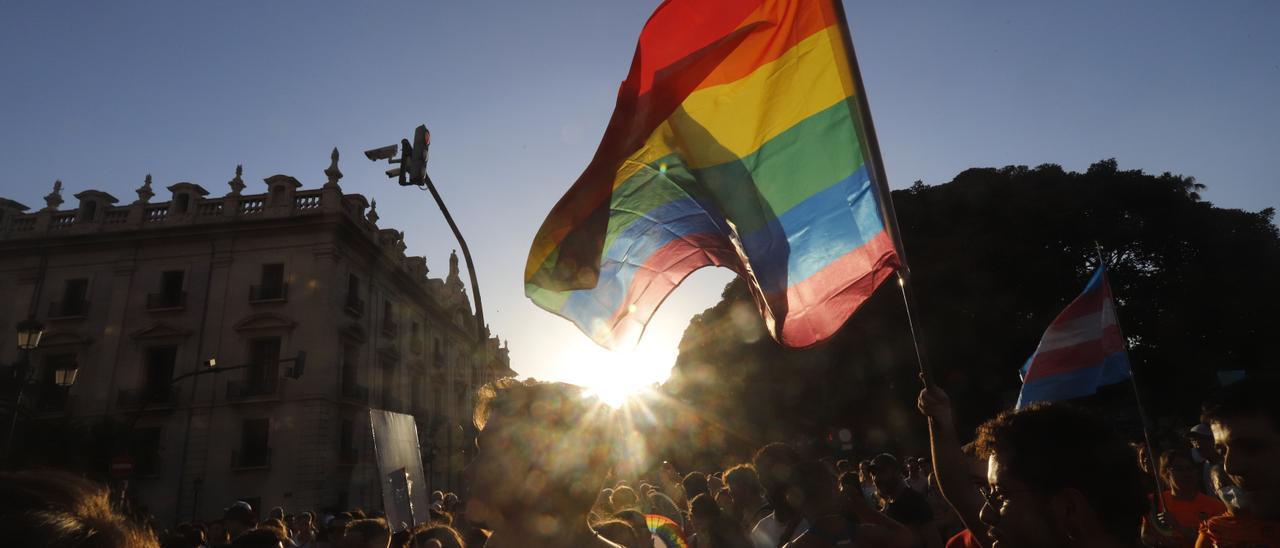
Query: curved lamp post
30	331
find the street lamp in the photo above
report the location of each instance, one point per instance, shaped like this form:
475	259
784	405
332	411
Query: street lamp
29	333
65	376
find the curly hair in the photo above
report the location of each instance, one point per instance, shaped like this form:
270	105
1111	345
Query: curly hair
1051	447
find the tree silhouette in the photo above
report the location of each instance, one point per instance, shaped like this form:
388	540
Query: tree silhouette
995	255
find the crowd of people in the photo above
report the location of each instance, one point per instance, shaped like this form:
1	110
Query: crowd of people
1046	475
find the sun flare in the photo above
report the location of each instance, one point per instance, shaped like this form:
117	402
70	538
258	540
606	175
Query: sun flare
617	376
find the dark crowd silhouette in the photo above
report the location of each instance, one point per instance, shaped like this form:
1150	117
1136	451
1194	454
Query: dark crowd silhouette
545	473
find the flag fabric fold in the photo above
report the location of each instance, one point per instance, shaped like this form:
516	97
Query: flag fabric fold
736	142
1081	350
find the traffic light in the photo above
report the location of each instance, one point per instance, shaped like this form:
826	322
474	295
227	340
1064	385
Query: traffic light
417	164
412	166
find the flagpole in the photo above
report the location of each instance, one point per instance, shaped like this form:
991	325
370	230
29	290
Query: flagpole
867	134
1133	383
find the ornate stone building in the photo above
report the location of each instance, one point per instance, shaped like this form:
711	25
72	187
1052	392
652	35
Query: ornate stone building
136	295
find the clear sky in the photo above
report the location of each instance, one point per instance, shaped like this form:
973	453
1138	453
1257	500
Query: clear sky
516	94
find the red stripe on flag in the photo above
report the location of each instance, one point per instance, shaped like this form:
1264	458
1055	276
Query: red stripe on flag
818	306
1083	305
1078	356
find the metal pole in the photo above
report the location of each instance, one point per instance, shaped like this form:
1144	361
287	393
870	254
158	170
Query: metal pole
24	355
875	164
481	329
24	368
1133	383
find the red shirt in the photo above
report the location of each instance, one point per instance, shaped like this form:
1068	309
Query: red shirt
963	539
1228	531
1191	513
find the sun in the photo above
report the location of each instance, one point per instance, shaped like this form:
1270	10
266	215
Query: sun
616	376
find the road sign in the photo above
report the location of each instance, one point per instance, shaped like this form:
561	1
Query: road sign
122	467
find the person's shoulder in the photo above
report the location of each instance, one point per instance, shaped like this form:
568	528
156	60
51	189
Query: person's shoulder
766	523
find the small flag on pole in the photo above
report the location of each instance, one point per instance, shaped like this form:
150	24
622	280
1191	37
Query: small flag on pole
1082	349
737	141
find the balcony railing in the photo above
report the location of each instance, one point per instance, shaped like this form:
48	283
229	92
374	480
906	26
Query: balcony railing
150	216
69	309
161	396
258	459
240	390
258	293
163	300
353	391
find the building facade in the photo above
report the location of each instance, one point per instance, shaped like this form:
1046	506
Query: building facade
135	296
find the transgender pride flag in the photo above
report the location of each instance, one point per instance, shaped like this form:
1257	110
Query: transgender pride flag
1082	349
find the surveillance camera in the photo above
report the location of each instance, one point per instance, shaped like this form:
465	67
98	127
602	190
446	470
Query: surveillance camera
384	153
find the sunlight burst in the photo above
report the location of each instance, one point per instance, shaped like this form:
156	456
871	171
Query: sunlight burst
616	377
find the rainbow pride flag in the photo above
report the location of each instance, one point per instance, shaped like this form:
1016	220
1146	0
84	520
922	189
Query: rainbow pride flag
736	142
665	531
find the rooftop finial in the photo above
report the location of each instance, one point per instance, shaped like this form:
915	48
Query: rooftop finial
373	212
144	191
453	266
333	173
237	184
54	199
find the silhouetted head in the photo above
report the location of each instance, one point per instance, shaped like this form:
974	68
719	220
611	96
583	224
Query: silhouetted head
367	533
622	498
1057	477
447	536
775	464
617	531
886	474
542	454
695	483
1245	420
57	509
743	483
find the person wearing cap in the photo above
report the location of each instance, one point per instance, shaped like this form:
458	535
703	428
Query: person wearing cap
902	503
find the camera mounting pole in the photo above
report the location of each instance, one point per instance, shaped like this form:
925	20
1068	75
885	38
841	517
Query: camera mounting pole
412	171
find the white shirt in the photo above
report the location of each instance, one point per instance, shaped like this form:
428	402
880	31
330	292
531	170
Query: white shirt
768	532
